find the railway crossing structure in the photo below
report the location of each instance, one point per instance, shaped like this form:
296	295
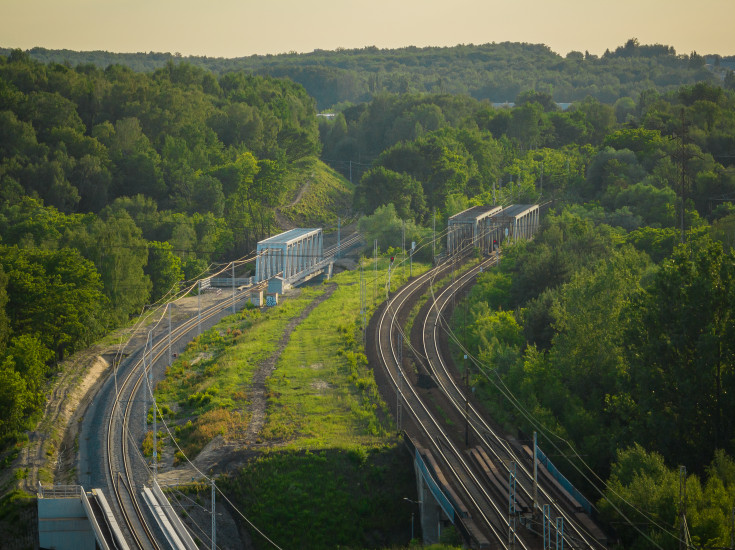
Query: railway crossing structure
486	227
293	255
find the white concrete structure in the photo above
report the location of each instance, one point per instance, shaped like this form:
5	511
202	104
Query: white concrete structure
291	255
69	518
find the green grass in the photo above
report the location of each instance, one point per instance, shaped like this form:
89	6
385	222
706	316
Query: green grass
323	393
206	390
328	498
17	517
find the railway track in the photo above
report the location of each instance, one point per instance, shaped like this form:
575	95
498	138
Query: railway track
485	514
494	449
490	523
125	479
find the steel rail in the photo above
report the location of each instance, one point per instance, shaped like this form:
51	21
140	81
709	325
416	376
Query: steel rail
455	394
122	438
419	409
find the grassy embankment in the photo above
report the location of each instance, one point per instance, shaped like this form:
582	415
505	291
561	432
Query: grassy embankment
327	194
332	472
335	472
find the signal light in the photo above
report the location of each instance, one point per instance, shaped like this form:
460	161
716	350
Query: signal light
391	259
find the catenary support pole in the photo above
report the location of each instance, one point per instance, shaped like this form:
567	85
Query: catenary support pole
535	471
433	239
214	519
149	344
168	307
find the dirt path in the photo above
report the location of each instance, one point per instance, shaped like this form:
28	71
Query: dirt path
220	454
259	399
283	222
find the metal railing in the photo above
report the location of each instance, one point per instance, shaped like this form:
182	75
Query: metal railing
59	491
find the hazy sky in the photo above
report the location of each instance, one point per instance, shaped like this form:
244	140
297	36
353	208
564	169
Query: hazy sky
234	28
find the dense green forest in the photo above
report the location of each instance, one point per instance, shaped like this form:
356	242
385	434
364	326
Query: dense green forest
606	333
611	332
115	186
497	72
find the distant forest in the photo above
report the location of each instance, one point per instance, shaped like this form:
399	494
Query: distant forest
494	72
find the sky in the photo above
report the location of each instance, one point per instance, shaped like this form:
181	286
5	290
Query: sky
237	28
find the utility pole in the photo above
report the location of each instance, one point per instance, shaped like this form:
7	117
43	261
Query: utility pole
199	309
403	247
682	508
535	472
145	393
547	526
153	398
410	259
233	287
466	380
466	404
214	519
362	301
512	505
433	239
339	227
375	270
560	533
168	307
399	391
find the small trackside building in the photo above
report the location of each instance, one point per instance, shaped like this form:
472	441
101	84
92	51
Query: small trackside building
473	227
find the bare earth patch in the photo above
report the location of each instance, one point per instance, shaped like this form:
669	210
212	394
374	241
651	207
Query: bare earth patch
321	385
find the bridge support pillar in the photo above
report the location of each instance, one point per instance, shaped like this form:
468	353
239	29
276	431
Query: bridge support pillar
431	516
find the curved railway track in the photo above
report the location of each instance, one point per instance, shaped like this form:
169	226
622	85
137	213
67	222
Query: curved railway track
120	443
489	517
434	328
123	479
485	513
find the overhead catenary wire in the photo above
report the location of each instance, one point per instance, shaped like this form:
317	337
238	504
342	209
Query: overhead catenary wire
157	411
157	307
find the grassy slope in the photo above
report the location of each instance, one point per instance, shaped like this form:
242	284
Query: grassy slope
329	194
